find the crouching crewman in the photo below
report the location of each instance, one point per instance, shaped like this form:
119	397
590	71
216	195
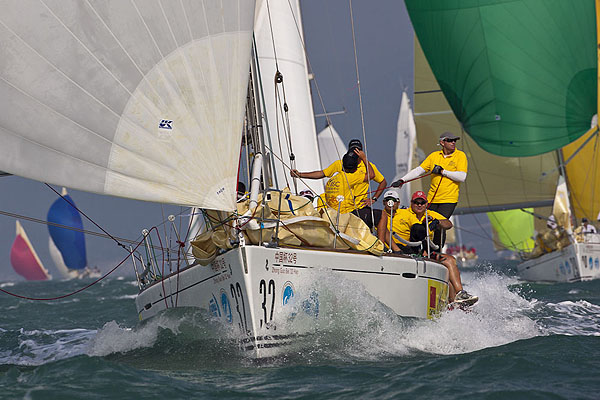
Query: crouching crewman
412	227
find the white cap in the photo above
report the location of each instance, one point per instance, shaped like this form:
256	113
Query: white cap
391	194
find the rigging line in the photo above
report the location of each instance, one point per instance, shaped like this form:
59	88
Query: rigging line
362	116
485	195
277	77
93	222
286	134
329	123
80	289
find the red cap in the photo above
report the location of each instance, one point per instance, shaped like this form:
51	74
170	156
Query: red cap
419	195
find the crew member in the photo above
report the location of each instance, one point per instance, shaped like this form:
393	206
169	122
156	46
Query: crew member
448	167
415	225
362	203
344	183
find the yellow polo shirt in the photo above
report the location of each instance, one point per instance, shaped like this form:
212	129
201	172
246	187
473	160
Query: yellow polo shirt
343	184
361	189
405	218
448	189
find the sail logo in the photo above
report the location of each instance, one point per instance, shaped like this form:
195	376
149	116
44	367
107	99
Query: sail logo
165	124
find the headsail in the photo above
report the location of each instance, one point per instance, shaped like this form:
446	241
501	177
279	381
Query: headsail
519	75
25	260
70	243
115	98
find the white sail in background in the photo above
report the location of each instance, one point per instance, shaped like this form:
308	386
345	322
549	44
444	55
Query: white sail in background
561	209
287	38
405	145
331	146
140	102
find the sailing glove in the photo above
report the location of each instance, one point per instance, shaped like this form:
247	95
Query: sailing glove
437	169
434	224
398	183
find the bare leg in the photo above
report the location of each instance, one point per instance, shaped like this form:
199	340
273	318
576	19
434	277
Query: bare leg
454	273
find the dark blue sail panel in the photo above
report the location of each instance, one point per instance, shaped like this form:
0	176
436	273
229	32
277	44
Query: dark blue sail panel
70	243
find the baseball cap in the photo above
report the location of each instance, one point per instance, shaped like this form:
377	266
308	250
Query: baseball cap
584	220
391	194
350	161
419	195
355	144
449	135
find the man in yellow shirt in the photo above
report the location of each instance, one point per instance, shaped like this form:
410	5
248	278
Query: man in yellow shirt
448	169
414	224
361	201
342	185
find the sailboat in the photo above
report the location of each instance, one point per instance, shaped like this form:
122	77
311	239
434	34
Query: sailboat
66	240
331	146
25	260
523	109
164	97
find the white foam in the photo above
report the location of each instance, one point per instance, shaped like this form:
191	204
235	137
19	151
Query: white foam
38	347
578	318
364	328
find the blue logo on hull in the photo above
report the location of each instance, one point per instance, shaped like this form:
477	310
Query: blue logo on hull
226	306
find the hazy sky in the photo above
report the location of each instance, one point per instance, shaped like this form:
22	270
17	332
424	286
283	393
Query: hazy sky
384	40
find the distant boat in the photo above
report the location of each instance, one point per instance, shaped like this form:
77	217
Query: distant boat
25	260
67	241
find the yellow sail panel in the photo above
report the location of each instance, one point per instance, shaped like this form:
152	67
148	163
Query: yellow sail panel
491	180
583	177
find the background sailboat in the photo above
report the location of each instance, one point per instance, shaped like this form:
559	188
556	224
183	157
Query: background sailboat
24	258
66	238
331	146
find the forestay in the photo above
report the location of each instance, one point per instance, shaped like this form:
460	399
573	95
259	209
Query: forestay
139	99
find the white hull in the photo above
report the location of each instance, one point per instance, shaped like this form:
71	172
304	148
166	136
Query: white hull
576	262
251	288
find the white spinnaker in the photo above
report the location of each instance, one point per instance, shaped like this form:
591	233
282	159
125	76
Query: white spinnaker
331	146
141	99
286	24
405	145
59	262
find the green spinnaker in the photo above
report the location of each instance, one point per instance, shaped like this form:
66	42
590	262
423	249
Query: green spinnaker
520	75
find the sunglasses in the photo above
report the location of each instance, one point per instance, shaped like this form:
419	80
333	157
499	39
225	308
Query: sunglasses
450	140
419	203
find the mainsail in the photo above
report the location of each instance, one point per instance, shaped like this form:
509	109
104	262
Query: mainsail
114	98
406	139
25	260
280	46
67	241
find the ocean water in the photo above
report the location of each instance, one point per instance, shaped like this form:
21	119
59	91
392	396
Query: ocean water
521	341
